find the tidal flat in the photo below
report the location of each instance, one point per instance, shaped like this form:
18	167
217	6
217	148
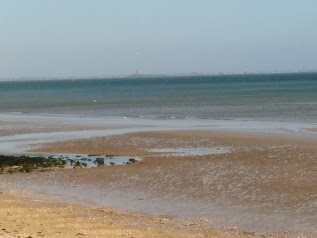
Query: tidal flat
199	182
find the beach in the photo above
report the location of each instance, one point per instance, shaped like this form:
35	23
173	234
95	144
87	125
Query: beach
158	119
23	216
227	179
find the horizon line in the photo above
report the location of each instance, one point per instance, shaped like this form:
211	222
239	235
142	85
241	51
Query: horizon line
140	75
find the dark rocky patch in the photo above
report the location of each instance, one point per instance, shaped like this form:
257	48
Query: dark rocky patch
27	164
132	160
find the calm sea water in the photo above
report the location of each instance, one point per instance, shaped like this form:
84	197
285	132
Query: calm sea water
280	97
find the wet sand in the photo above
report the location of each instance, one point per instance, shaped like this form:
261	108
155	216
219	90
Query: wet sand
19	127
22	216
264	185
313	129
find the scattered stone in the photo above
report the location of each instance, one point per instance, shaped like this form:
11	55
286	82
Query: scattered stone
132	160
100	161
26	164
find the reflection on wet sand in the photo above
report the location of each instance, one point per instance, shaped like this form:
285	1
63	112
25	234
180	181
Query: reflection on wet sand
262	184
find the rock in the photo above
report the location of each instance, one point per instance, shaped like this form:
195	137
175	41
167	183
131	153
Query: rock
100	161
132	160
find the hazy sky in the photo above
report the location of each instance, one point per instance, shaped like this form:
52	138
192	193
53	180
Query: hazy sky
106	37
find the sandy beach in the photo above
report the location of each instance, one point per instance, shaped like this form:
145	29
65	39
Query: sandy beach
23	216
158	119
191	183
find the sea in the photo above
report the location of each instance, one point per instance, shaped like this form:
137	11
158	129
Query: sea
264	97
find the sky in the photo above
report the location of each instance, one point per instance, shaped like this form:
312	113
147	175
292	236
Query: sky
80	38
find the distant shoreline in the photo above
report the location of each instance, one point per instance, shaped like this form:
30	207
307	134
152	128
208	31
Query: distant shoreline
46	78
